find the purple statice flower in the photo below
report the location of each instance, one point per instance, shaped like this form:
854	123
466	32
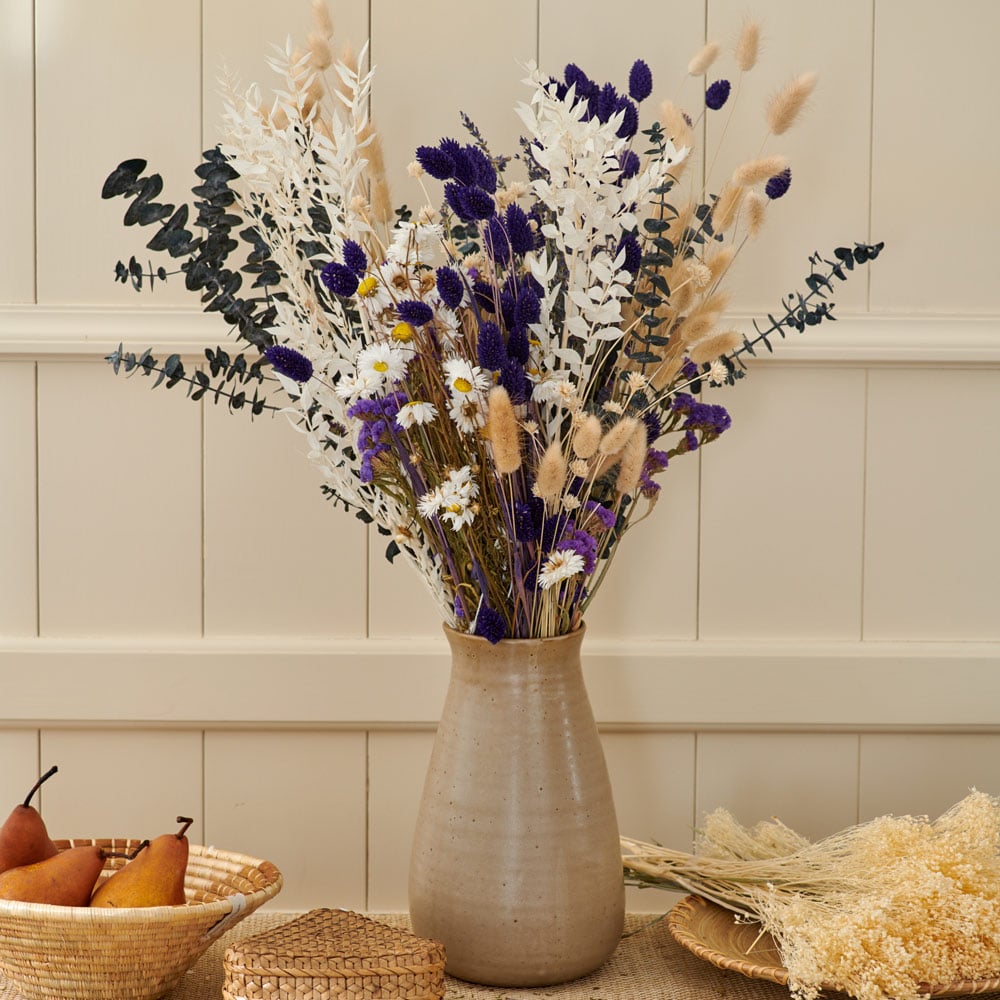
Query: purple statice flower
640	81
489	624
459	606
717	94
414	312
779	184
682	402
690	441
340	279
289	362
689	370
528	519
354	257
491	352
630	164
436	161
370	434
581	542
710	418
655	461
630	119
605	515
450	287
653	426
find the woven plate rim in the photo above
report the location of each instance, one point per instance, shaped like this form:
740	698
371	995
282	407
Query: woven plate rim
683	923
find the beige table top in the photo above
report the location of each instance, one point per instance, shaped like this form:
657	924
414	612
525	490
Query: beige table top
648	965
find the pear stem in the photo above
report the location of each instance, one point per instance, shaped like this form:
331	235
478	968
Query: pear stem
138	848
38	784
187	821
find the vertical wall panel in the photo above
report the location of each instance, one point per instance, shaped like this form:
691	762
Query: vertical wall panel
925	773
604	45
400	603
119	501
808	780
296	799
828	148
115	80
280	559
932	551
782	506
651	588
239	38
420	87
18	578
17	164
935	211
19	770
397	764
122	783
652	775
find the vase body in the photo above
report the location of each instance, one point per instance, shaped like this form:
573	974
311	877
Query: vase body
516	865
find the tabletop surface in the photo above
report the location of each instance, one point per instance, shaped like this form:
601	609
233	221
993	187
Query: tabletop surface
647	965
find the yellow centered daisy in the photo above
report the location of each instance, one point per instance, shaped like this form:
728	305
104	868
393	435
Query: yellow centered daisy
380	366
403	332
463	385
367	287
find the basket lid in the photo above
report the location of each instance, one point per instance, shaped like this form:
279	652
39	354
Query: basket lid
326	940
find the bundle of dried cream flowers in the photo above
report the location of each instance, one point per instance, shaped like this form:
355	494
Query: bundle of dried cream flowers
887	908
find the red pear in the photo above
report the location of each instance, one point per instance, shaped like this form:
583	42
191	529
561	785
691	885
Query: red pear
66	879
23	837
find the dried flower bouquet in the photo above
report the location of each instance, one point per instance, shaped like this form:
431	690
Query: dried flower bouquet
495	382
880	910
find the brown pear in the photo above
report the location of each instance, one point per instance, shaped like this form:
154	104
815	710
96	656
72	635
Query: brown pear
23	837
154	877
66	879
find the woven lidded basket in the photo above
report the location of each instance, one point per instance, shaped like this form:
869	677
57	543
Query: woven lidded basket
77	953
334	955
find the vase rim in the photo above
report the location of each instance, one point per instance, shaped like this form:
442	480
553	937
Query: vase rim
577	633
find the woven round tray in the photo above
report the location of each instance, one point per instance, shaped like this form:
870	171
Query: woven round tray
713	933
78	953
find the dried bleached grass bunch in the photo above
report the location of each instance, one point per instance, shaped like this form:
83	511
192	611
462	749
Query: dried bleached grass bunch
497	380
880	910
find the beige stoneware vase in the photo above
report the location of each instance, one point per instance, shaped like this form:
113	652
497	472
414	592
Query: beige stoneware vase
516	864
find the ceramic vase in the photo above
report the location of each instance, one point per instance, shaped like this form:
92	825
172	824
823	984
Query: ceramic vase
516	864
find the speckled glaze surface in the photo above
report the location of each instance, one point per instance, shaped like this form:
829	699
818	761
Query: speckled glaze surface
516	864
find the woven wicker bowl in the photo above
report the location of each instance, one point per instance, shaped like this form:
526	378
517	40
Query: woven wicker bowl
78	953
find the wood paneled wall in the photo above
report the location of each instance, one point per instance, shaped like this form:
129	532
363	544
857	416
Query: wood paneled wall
809	624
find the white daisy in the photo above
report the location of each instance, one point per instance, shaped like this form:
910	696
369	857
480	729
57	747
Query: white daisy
430	503
468	412
416	412
457	498
462	378
560	565
552	387
381	361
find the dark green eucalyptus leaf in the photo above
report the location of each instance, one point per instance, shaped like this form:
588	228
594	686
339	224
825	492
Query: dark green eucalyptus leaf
123	179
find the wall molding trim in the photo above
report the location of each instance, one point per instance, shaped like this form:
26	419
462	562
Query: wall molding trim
47	332
366	683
